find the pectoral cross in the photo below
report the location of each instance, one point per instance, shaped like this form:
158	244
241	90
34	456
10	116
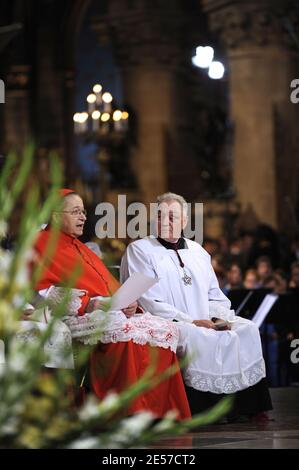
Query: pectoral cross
187	279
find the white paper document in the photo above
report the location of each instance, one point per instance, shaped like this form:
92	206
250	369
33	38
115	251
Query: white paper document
130	291
264	309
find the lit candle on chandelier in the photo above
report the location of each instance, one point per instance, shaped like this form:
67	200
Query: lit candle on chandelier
117	120
105	117
125	120
107	98
83	121
97	89
91	100
76	119
95	120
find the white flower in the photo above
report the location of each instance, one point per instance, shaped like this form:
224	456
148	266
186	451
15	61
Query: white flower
8	323
167	423
10	427
110	402
17	360
90	409
131	428
3	228
171	414
23	274
17	301
5	261
85	443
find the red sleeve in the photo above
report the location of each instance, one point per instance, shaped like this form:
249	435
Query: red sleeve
84	302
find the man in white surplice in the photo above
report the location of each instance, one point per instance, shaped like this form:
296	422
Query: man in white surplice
221	361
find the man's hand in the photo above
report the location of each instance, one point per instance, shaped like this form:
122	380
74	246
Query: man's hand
27	314
130	310
222	325
204	323
96	304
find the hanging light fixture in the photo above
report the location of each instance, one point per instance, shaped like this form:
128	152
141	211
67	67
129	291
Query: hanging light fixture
101	114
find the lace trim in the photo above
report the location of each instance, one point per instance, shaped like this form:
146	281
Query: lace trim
225	383
141	329
58	347
57	295
59	339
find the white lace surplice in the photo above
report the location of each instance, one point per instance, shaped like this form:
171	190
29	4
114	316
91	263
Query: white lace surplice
220	361
114	327
58	348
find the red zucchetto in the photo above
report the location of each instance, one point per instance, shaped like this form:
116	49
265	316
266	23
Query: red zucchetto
64	192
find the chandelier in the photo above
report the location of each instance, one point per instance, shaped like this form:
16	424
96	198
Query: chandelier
101	117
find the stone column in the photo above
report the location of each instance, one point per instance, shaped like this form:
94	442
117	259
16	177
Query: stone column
148	95
261	65
17	108
147	44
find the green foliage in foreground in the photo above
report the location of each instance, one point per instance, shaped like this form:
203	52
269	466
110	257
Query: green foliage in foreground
36	406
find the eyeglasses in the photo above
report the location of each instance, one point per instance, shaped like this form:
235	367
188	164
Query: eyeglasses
76	212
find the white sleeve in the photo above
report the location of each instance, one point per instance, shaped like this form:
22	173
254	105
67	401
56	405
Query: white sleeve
153	301
55	295
28	307
219	304
44	292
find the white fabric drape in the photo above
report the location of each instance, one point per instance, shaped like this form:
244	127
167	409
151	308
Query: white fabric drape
113	326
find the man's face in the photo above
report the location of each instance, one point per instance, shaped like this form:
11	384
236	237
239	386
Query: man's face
250	280
235	275
171	220
264	269
72	217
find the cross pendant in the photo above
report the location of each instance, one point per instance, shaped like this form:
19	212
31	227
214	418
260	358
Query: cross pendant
187	279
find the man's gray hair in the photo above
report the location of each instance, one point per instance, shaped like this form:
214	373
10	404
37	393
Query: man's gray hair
174	197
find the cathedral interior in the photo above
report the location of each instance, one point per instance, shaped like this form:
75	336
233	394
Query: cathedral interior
116	89
230	143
